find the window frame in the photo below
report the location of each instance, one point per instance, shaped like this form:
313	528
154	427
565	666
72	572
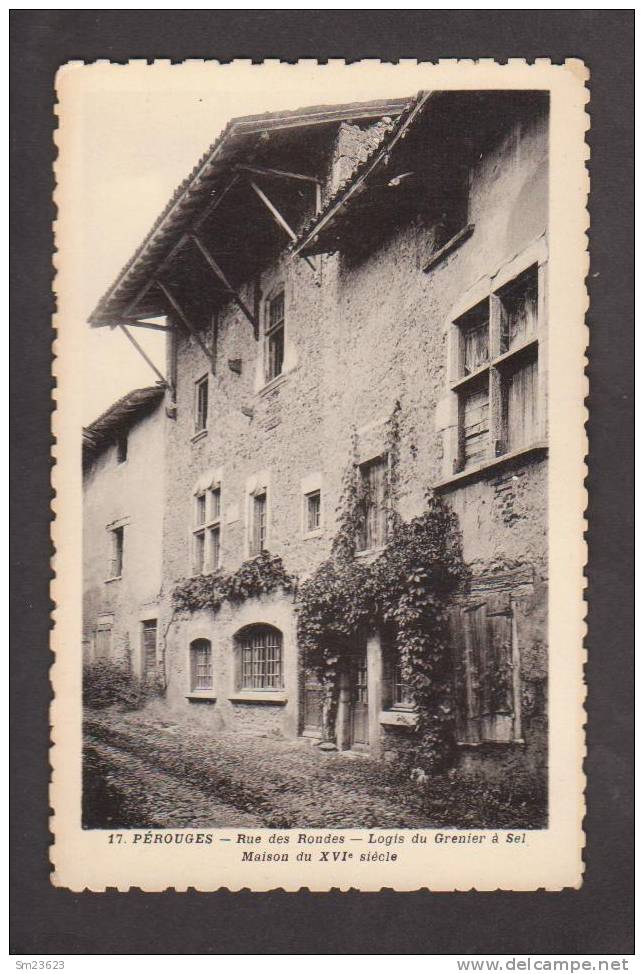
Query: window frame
199	415
308	530
207	520
257	545
147	625
502	363
271	331
255	665
200	643
118	552
382	534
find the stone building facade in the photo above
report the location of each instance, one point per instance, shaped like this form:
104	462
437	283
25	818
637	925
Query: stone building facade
123	499
407	272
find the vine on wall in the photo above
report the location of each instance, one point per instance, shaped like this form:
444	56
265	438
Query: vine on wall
254	577
406	589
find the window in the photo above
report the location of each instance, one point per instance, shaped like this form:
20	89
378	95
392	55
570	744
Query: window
373	529
261	659
454	205
118	540
396	693
121	448
207	531
103	641
312	512
201	405
200	665
487	672
258	523
401	694
149	647
275	336
497	380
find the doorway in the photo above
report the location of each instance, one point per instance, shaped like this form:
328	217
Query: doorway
359	722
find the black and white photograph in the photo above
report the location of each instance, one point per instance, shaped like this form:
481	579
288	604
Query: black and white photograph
315	541
314	383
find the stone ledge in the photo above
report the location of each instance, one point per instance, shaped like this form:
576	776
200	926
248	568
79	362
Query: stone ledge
536	450
259	696
198	695
398	718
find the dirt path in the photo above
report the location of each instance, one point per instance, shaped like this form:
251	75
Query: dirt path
133	794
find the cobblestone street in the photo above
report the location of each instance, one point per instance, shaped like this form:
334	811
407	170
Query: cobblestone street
148	770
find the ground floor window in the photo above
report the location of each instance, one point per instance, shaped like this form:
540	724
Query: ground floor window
260	649
200	665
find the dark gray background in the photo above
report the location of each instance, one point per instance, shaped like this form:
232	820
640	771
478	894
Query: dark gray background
599	917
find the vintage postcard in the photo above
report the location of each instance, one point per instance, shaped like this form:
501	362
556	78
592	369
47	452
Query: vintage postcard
319	475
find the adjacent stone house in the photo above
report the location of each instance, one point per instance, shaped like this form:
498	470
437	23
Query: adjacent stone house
123	498
319	271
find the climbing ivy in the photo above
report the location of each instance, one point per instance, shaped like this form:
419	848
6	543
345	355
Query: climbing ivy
257	576
406	589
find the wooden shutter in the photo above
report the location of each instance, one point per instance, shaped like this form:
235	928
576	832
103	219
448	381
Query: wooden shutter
485	670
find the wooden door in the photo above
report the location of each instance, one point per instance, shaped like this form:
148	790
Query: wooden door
359	700
149	649
313	701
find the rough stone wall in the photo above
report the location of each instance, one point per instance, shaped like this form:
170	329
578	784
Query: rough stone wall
131	493
360	337
225	710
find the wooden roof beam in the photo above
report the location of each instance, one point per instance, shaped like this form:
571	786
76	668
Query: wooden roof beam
278	173
279	219
144	355
178	310
221	277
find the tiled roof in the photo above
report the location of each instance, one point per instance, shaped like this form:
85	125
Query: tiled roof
119	415
201	184
395	130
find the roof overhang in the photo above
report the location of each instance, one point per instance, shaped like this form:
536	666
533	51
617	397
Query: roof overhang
317	236
214	176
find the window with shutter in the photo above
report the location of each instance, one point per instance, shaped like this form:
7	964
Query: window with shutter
487	671
497	381
149	647
373	528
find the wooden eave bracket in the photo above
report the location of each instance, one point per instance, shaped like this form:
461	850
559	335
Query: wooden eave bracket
144	355
279	219
221	277
180	313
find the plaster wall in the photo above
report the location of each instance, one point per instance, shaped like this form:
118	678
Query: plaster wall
130	494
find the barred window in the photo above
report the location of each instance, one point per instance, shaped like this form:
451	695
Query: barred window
261	659
200	665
